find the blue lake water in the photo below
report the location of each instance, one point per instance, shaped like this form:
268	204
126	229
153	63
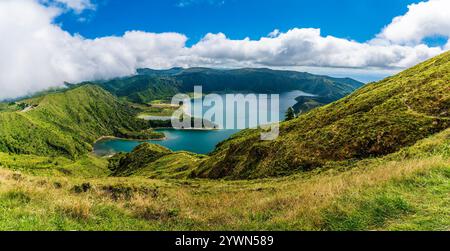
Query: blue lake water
202	142
197	141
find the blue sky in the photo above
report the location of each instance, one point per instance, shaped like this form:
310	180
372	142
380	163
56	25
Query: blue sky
359	20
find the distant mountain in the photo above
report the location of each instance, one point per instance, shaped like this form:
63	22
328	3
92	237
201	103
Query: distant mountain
160	84
160	73
65	123
142	88
376	120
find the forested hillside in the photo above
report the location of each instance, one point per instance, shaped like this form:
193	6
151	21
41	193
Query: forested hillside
65	123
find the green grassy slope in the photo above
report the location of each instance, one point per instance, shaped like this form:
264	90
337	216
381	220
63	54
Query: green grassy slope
65	123
378	119
150	160
88	166
407	190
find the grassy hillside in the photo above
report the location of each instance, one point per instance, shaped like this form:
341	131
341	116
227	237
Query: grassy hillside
407	190
66	123
142	89
88	166
376	120
150	160
153	84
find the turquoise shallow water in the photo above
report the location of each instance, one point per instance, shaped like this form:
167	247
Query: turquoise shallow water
202	142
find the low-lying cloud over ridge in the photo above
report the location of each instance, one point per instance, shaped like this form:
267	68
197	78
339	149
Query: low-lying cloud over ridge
37	54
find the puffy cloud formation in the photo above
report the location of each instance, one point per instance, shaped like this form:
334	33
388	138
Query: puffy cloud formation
306	47
422	20
37	54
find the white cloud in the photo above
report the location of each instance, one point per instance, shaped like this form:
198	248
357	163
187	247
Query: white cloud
425	19
37	54
274	33
306	47
77	6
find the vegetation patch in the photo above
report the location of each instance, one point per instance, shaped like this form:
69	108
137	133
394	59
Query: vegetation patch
19	197
148	134
154	211
124	192
76	209
371	213
83	188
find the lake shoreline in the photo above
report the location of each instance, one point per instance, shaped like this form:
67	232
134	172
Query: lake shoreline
104	138
196	140
107	138
187	129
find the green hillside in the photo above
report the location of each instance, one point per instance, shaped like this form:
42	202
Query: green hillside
142	89
150	160
407	190
151	84
66	123
376	120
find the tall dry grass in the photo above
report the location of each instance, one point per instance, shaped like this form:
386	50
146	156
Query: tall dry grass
285	203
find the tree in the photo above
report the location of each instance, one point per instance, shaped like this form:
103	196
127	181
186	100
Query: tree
290	114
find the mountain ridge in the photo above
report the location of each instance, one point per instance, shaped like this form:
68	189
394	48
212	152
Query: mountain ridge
151	84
